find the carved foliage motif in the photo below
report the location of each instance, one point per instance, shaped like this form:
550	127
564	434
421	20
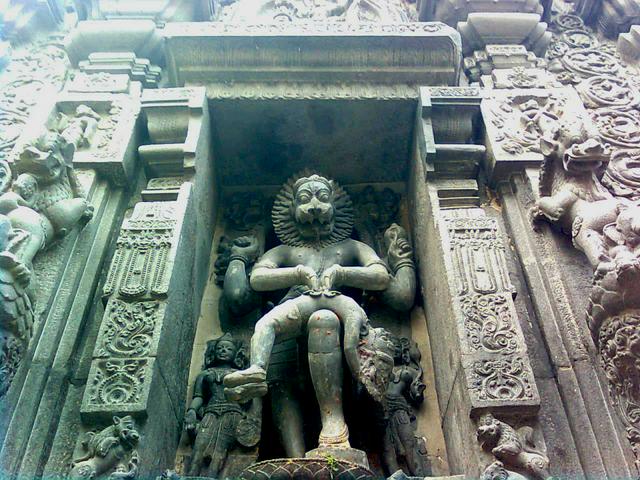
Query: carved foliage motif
128	328
619	339
495	362
503	379
489	323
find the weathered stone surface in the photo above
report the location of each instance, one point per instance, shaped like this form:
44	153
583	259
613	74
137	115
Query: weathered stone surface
425	53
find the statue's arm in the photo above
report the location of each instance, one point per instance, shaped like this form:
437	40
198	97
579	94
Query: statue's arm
371	274
74	182
238	294
400	293
197	400
268	275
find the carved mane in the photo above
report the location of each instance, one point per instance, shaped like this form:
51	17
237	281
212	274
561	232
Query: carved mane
284	223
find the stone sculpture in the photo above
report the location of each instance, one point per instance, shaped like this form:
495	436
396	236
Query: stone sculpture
571	195
216	423
514	449
44	201
110	453
295	10
405	391
312	217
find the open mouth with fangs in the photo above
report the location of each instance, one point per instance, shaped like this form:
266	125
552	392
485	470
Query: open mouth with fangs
586	156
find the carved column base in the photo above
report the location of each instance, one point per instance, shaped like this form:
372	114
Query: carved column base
308	468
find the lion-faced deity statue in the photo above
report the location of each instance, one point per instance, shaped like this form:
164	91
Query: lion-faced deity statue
313	211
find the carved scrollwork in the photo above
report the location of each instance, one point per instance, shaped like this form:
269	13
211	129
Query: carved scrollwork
619	340
500	379
622	176
489	323
590	61
117	382
621	129
607	91
128	328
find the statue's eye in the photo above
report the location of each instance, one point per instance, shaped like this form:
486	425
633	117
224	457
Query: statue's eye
303	198
323	197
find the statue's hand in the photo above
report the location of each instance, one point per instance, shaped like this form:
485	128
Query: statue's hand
246	249
307	276
190	422
333	277
399	251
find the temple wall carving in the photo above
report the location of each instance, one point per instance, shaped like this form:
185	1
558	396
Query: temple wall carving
308	239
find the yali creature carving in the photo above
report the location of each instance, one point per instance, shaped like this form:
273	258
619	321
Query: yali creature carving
514	449
109	453
45	201
312	217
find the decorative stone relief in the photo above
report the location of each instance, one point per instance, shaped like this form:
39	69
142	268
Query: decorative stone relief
494	354
215	424
391	11
622	176
513	450
404	393
607	91
31	73
110	453
129	329
118	385
138	268
489	323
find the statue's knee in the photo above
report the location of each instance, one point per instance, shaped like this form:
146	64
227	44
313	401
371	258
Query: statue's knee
324	332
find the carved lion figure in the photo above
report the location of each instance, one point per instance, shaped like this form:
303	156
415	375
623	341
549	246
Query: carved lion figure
110	450
571	195
512	448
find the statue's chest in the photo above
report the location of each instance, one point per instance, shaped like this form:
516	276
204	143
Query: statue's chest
318	260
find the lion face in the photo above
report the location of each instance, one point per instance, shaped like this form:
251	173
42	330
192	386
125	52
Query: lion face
488	429
125	428
313	208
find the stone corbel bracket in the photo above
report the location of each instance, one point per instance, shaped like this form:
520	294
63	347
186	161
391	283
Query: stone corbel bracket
132	47
447	122
176	121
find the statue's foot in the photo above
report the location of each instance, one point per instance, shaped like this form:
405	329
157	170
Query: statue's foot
243	385
336	436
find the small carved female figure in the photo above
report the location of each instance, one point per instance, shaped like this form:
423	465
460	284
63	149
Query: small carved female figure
222	423
404	388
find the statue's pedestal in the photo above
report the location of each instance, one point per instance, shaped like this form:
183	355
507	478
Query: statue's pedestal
351	455
327	466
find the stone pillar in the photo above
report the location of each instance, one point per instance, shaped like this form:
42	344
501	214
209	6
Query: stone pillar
143	348
480	356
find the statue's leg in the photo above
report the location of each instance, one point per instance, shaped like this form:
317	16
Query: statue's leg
325	365
287	417
408	439
286	410
285	321
353	318
389	456
206	433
